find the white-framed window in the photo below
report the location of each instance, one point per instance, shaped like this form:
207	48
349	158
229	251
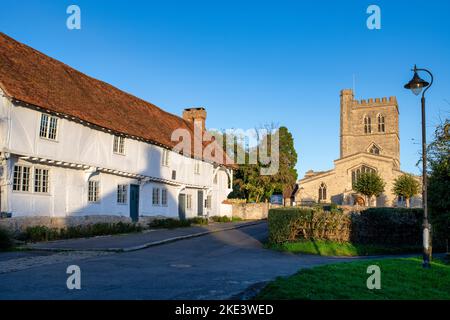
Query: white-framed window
164	197
165	158
215	178
189	201
119	145
197	167
155	196
41	180
208	202
122	193
93	191
49	127
21	178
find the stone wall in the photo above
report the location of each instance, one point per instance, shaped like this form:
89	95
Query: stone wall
252	211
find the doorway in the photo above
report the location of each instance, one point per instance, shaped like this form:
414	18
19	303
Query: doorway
134	202
200	203
182	206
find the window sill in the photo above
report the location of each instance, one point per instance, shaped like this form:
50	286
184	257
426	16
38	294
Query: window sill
48	139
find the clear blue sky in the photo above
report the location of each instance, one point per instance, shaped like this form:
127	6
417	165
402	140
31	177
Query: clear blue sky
254	62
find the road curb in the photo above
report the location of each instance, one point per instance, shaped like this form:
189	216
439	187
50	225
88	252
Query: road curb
149	244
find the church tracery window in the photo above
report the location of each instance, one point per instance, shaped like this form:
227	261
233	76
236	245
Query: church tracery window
356	173
322	192
367	125
381	125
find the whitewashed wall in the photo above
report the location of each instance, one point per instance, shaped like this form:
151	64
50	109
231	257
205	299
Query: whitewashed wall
76	143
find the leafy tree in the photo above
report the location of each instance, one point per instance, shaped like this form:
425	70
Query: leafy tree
254	187
439	181
369	184
406	186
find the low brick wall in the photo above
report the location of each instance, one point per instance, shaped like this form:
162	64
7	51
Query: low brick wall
251	211
19	224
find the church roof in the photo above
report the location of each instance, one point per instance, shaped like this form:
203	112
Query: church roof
32	77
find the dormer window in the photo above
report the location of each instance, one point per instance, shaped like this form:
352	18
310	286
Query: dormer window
119	145
49	127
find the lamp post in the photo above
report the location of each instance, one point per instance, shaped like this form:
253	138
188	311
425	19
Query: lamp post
416	85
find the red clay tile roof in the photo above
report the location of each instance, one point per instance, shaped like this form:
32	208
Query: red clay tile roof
30	76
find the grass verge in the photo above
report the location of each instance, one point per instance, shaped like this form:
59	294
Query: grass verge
330	248
400	279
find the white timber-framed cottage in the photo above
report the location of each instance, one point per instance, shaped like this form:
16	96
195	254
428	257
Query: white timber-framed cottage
71	145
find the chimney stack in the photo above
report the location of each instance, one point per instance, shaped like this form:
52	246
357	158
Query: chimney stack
196	116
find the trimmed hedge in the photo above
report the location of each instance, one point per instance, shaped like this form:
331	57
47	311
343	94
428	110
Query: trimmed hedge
374	226
388	226
290	224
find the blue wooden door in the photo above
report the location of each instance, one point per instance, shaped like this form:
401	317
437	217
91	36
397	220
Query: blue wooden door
182	206
134	202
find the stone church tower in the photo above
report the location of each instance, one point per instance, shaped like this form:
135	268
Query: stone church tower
370	125
369	142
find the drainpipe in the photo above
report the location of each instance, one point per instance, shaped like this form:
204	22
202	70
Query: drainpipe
4	200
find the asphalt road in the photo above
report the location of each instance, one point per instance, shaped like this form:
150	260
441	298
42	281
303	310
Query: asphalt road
216	266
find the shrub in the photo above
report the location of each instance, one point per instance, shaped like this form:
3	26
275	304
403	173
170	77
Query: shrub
300	223
169	223
199	220
220	219
43	233
388	226
40	233
6	241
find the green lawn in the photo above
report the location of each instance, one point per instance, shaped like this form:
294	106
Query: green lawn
400	279
329	248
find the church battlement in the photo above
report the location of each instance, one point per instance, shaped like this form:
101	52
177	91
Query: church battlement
377	102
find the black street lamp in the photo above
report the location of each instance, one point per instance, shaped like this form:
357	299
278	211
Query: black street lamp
416	85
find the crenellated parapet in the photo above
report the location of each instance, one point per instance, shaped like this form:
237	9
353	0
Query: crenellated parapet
377	102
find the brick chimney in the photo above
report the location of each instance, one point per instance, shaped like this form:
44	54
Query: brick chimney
196	116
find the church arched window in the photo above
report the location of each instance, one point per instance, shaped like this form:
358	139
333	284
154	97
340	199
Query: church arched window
381	126
367	125
356	173
322	192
